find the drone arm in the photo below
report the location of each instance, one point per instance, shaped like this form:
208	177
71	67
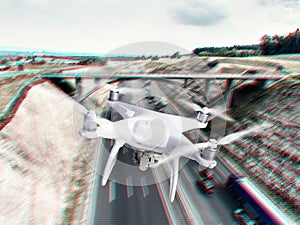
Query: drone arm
94	127
111	161
102	121
174	179
125	110
104	131
193	152
190	124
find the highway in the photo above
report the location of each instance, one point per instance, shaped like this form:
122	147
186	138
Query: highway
118	203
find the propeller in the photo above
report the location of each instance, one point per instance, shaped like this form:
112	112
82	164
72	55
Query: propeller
219	112
124	90
237	135
81	108
187	150
215	112
182	151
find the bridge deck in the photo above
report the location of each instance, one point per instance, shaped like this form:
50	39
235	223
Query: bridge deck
174	76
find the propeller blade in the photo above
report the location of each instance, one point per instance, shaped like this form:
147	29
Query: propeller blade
127	90
235	136
183	151
216	112
124	90
80	107
110	86
190	105
219	112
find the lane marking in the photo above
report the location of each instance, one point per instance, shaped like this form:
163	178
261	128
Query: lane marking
221	173
187	177
145	187
165	202
111	191
129	187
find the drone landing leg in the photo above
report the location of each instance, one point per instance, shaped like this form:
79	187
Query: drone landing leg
111	161
174	179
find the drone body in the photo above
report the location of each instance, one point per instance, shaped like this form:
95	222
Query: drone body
151	132
159	136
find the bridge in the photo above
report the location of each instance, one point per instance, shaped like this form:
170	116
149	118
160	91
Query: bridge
228	77
220	76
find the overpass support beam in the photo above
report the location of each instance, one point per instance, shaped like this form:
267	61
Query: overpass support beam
263	83
185	83
188	82
228	92
96	81
78	83
206	89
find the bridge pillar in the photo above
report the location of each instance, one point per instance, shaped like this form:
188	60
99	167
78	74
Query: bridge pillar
96	81
188	82
206	88
185	83
263	83
228	92
78	83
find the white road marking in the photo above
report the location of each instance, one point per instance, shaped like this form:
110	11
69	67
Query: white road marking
129	187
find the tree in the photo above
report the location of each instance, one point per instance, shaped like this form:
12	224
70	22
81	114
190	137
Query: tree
280	44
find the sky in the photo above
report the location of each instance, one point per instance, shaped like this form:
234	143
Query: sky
104	26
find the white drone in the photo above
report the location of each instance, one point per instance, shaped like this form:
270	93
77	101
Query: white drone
159	136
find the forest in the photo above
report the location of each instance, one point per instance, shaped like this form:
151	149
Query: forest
279	44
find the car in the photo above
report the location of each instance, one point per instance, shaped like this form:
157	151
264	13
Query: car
150	99
207	186
250	71
242	217
147	83
206	174
158	102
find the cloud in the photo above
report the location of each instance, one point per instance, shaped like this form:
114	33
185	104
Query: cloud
285	3
100	26
199	12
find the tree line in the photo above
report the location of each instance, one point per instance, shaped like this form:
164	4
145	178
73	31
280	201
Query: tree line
269	45
234	51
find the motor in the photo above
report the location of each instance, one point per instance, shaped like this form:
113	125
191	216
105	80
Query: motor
203	115
209	153
89	123
113	95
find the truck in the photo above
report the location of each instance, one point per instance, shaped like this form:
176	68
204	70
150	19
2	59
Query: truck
253	202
